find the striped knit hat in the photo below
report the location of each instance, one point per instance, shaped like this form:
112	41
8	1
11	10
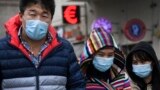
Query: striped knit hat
98	39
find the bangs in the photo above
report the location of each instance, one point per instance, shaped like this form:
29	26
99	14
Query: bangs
142	56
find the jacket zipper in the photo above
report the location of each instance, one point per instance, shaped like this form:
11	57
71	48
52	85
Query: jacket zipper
37	79
38	64
37	68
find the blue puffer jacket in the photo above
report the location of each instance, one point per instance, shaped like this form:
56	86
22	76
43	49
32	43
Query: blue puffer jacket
58	69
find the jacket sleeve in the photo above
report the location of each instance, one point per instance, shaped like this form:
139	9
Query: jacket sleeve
75	80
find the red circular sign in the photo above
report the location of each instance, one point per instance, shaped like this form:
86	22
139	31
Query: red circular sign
135	30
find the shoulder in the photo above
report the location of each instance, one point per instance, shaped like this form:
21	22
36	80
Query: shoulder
3	39
66	44
4	43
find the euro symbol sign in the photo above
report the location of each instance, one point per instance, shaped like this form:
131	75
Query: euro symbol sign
70	14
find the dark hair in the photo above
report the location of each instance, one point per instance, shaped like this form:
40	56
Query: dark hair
150	53
142	56
47	4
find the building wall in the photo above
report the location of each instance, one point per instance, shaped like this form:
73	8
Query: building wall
57	19
8	8
119	11
57	22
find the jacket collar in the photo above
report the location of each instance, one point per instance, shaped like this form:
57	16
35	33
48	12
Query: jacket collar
12	27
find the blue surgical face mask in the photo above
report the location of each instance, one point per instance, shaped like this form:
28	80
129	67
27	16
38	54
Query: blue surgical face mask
102	63
142	70
36	29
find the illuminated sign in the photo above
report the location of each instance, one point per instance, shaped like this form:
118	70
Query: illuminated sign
135	30
102	23
71	14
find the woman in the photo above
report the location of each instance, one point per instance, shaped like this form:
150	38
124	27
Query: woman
143	67
103	63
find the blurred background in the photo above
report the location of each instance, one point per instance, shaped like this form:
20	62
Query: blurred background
130	21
